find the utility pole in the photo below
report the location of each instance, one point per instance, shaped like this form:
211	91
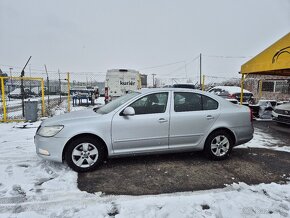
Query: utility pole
30	76
200	82
59	81
153	74
185	69
22	86
47	83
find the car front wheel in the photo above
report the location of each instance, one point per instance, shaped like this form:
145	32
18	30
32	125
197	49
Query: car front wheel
85	154
218	145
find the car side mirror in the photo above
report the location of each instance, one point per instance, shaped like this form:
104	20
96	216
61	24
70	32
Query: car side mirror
129	111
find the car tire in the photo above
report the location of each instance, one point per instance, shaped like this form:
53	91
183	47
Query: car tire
218	145
85	154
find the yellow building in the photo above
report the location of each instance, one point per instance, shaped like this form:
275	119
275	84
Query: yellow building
267	75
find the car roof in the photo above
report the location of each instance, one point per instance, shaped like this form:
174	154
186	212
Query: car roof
152	90
221	101
189	84
231	89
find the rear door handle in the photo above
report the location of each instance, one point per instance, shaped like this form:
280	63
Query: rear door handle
209	117
162	120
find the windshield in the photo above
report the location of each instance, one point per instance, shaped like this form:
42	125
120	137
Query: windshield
116	103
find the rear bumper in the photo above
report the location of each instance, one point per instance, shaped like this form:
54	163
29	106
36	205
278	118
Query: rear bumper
243	134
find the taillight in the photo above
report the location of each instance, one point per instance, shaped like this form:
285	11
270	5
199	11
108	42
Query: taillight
106	92
251	115
231	96
106	95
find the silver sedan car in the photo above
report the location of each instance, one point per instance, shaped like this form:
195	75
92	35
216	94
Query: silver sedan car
150	121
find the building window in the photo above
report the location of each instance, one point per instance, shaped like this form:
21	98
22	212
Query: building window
279	86
268	86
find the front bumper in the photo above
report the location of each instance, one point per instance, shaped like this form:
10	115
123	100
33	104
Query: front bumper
281	118
50	148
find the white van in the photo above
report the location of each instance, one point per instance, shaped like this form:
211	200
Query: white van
120	82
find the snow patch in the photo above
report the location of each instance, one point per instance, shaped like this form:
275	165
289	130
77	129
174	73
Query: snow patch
264	140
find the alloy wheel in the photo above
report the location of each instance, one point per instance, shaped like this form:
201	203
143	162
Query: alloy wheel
220	145
85	155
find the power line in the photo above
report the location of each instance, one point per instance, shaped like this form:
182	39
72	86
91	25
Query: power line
221	77
162	65
173	63
231	57
184	66
53	71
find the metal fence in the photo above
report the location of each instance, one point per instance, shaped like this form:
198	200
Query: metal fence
55	91
15	91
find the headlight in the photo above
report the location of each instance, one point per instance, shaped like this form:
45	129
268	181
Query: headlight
48	131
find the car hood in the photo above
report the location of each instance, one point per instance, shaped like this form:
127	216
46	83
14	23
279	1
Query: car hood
75	115
283	106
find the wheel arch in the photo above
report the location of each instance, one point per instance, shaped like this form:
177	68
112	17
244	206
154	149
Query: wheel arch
230	132
84	135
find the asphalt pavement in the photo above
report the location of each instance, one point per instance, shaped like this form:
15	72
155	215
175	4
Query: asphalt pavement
156	174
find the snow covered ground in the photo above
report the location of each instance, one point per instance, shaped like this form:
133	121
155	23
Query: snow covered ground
264	140
32	187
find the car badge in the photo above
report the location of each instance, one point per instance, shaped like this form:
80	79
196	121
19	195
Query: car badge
286	112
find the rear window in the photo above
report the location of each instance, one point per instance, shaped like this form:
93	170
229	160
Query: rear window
209	103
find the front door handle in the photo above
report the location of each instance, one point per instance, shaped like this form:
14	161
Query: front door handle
162	120
209	117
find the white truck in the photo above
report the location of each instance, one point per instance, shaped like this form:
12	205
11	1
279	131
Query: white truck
121	81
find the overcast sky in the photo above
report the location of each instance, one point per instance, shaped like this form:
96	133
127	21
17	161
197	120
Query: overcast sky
93	36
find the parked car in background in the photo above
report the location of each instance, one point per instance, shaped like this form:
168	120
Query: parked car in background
281	114
282	102
263	108
232	92
17	93
147	122
234	101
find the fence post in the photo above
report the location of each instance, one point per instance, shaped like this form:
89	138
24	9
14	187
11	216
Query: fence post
68	92
3	99
42	97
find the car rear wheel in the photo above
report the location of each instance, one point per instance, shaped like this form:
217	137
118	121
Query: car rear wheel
85	154
218	145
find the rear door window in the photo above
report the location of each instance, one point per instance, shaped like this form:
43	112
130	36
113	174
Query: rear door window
188	101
